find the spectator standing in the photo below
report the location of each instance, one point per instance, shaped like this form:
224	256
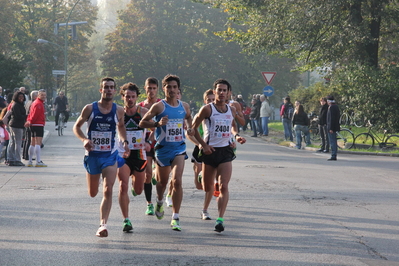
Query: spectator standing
16	125
287	111
28	133
265	113
301	122
254	115
23	90
333	126
325	143
36	121
61	106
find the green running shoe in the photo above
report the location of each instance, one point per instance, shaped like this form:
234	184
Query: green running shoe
153	180
219	227
175	224
150	209
159	212
134	192
127	225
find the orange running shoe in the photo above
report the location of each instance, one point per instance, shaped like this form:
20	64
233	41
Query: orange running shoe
216	192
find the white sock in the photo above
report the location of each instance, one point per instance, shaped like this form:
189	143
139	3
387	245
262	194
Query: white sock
175	216
31	151
37	151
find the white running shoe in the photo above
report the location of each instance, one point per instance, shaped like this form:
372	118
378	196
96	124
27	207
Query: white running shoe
205	215
41	164
168	201
102	231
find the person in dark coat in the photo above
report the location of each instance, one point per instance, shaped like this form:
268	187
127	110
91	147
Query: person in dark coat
300	121
333	126
325	144
16	124
254	116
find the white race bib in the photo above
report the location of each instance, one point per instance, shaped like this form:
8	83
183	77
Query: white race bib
136	139
101	140
222	128
174	130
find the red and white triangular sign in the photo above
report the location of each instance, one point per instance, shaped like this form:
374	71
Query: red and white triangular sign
268	76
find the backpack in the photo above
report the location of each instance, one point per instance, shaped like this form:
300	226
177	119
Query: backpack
289	111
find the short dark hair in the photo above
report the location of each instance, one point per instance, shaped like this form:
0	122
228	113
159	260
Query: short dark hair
171	77
107	79
151	80
130	86
222	81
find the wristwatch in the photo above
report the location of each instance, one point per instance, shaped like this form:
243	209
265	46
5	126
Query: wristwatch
126	141
156	124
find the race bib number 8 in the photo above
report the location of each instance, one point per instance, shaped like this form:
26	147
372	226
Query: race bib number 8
136	140
174	130
101	140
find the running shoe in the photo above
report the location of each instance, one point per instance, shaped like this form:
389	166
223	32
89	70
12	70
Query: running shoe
168	200
216	192
159	212
127	225
134	192
205	215
219	227
41	164
102	231
153	180
30	164
150	209
175	224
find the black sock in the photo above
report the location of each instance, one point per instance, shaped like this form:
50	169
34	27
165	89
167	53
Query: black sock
148	191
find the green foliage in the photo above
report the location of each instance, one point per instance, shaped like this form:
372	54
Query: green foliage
313	32
23	22
373	93
10	73
154	38
310	97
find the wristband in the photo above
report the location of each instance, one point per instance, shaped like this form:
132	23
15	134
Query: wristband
236	135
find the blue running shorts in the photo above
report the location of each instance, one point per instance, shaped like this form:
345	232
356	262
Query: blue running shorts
94	165
164	155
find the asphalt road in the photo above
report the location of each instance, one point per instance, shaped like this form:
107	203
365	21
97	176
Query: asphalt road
287	207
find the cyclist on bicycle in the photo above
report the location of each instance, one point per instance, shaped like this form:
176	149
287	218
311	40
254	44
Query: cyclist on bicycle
61	106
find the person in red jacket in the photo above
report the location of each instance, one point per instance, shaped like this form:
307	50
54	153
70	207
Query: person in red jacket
36	121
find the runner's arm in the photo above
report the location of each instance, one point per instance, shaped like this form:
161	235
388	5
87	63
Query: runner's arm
77	128
203	113
122	131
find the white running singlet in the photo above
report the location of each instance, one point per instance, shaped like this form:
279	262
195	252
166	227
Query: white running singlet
217	127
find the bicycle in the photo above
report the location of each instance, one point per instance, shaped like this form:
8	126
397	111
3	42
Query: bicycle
314	128
345	139
61	124
367	139
351	118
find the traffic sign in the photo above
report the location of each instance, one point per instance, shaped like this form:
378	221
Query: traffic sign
268	91
268	76
59	72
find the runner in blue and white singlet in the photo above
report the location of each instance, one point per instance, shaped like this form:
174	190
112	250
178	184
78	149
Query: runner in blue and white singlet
172	134
101	131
